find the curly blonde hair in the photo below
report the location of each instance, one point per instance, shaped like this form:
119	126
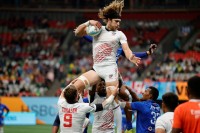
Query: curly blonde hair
113	10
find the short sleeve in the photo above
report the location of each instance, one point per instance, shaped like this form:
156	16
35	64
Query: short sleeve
137	106
86	107
177	118
61	100
160	123
123	38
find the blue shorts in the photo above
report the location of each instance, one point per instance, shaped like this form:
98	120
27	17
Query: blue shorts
1	122
123	122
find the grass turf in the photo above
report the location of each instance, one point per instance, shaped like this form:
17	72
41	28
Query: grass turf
32	129
28	129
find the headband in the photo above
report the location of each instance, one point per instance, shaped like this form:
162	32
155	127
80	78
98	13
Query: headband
112	14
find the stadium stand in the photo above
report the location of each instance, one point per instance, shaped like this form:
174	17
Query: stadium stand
39	49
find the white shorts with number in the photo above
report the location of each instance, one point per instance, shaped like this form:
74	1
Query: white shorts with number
108	73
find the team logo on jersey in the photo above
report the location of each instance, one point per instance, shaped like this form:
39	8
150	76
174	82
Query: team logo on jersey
195	113
113	33
110	76
150	128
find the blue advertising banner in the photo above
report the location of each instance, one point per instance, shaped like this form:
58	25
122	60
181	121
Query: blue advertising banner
17	118
165	87
45	108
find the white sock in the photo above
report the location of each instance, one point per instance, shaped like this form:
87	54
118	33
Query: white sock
118	117
1	130
85	124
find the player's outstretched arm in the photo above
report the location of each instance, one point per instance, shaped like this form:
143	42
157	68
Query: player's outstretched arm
106	103
110	99
120	51
133	94
141	55
129	55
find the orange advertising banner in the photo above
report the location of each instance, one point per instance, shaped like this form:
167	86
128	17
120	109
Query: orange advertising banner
181	89
15	104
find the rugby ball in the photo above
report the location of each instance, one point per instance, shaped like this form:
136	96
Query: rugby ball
92	30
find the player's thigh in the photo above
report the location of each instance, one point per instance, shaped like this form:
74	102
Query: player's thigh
109	73
92	77
86	80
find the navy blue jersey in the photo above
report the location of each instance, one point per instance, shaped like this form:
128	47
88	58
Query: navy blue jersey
147	114
2	109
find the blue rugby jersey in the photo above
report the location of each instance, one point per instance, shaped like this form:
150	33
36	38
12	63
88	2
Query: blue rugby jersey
147	114
2	109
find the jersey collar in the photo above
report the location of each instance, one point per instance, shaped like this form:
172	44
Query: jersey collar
194	100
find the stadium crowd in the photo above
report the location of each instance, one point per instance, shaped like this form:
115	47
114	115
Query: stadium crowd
37	52
30	48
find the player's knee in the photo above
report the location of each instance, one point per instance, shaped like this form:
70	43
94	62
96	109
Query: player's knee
85	81
111	87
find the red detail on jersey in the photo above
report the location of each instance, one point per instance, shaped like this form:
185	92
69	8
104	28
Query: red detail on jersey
109	118
69	110
102	51
67	120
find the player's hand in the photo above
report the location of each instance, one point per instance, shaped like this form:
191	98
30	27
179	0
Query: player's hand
135	60
115	91
152	48
95	23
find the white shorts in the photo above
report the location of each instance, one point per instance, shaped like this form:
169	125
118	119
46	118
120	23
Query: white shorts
108	73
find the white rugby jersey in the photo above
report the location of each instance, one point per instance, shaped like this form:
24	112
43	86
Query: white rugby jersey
103	120
105	46
72	116
165	121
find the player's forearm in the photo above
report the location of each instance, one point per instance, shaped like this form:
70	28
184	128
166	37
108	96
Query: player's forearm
108	101
92	94
128	53
55	129
141	54
133	94
125	105
80	30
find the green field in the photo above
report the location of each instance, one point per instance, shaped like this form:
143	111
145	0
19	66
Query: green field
28	129
31	129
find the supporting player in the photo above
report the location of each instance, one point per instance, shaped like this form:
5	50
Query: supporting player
72	114
105	47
